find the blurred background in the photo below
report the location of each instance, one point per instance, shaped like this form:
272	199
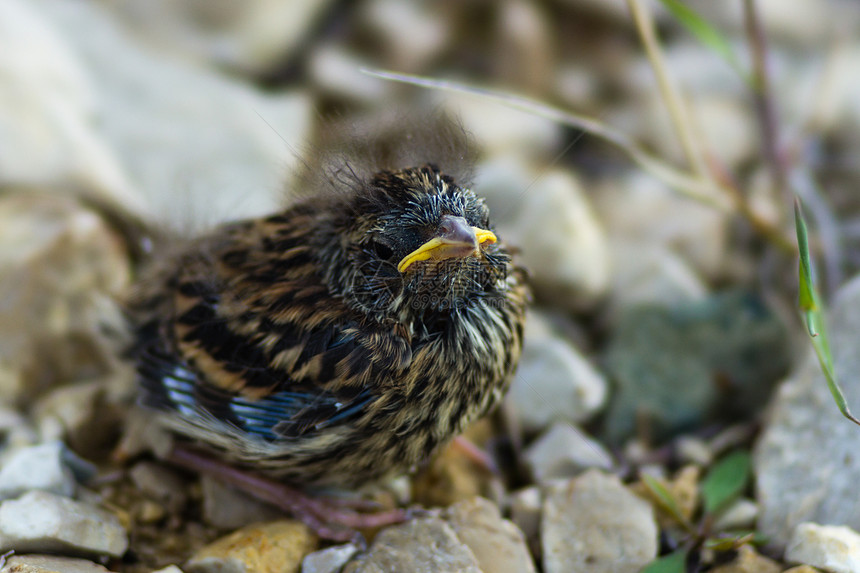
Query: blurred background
660	239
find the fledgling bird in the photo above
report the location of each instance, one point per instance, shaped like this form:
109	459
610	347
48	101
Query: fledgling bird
340	341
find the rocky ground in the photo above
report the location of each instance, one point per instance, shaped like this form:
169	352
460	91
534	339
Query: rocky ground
668	404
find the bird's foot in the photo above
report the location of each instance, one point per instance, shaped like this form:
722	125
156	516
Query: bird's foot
333	521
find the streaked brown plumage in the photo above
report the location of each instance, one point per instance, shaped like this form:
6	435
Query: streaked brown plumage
295	346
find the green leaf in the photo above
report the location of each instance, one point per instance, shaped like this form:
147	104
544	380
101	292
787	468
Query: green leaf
673	563
808	300
726	481
729	542
665	498
704	32
813	313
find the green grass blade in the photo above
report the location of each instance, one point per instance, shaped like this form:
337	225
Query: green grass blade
704	32
665	498
726	481
808	301
813	314
673	563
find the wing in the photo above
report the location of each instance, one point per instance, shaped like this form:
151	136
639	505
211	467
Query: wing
247	333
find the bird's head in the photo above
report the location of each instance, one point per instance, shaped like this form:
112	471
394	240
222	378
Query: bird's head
414	242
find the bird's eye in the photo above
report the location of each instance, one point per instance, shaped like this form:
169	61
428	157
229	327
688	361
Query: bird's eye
382	250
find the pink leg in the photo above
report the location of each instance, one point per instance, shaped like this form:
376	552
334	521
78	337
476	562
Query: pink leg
329	522
476	454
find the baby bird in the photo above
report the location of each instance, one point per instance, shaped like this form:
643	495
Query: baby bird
341	341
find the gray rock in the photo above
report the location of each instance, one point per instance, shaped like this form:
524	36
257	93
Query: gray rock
47	467
328	560
420	545
228	508
806	463
87	415
832	548
498	545
219	145
593	523
564	452
49	564
161	484
650	275
665	363
41	521
554	382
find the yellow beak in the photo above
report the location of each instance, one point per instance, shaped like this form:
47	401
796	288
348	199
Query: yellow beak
455	239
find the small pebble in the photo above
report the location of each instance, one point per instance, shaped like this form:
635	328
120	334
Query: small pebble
42	521
228	508
498	545
593	523
424	544
832	548
526	511
564	451
49	564
161	484
272	547
42	467
328	560
740	514
748	561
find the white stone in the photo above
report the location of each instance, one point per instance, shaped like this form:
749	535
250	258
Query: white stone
499	128
251	36
805	462
41	521
328	560
497	544
593	523
412	33
39	467
47	115
651	275
617	10
741	514
832	548
201	147
553	382
168	569
803	22
564	452
337	72
725	127
694	450
49	564
422	544
640	210
563	242
526	511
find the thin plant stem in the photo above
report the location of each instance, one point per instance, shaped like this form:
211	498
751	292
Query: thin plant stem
764	101
671	95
